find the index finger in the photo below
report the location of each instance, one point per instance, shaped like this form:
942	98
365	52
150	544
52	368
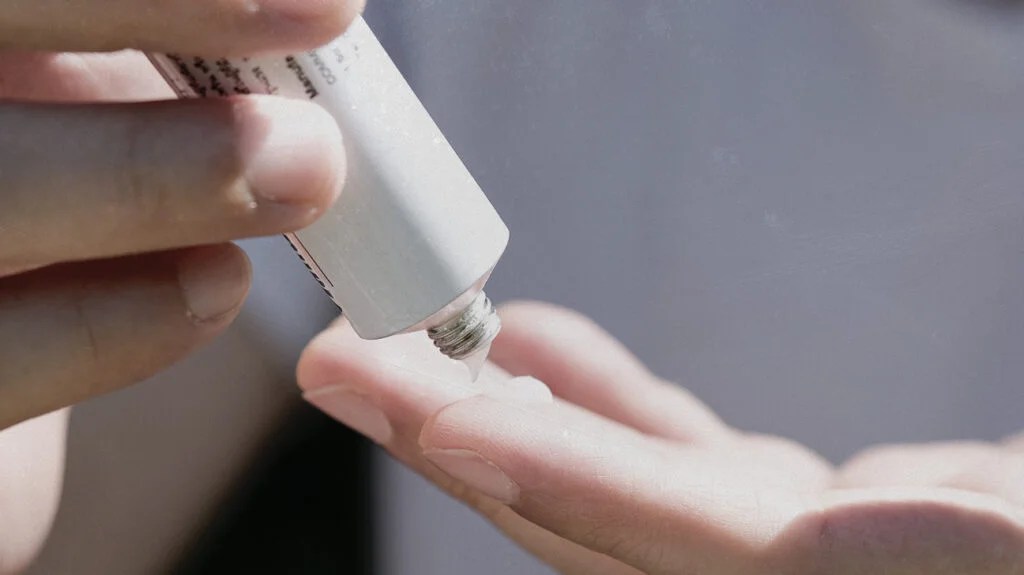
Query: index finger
685	512
203	27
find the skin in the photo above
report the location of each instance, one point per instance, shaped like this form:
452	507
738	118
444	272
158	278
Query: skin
117	263
614	471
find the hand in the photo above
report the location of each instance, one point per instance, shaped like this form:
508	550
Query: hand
114	217
621	473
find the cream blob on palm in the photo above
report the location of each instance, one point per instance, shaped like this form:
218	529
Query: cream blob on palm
413	239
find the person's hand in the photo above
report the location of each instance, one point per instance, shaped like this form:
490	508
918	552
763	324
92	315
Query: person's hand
622	473
115	213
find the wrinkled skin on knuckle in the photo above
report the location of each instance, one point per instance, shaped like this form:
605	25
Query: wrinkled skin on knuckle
207	175
214	143
146	197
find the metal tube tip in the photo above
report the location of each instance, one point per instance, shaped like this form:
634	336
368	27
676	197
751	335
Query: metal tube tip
468	333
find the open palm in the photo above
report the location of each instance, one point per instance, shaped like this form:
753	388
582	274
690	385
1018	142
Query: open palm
614	471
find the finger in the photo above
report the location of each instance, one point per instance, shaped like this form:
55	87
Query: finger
585	365
68	77
964	465
404	380
659	514
74	331
31	475
995	469
1001	474
152	176
912	465
387	389
207	27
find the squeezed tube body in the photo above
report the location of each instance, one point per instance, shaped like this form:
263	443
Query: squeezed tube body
412	240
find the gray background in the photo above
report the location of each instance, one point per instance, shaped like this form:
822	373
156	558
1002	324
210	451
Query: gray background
809	213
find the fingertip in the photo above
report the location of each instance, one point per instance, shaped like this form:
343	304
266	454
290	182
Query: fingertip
215	282
327	359
312	23
543	448
484	409
457	425
293	153
513	430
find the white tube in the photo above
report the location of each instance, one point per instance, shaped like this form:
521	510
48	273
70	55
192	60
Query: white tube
412	239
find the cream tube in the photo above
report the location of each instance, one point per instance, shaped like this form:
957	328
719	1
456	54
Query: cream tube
412	240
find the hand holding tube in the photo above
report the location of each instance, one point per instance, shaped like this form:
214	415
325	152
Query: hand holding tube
115	215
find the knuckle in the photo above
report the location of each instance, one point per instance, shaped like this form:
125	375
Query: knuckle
220	163
138	194
91	346
21	242
190	175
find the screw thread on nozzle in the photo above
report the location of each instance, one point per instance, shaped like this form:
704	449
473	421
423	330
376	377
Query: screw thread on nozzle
468	333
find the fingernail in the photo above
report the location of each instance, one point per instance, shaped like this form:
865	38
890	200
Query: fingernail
352	410
298	160
475	471
214	281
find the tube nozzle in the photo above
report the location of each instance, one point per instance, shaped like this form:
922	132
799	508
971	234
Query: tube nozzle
469	332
